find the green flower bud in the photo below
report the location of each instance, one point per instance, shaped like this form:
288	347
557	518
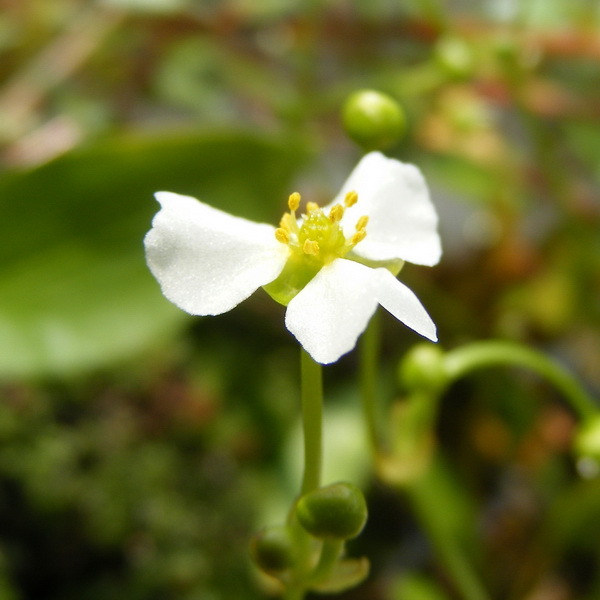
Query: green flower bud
337	511
373	120
272	550
423	368
587	439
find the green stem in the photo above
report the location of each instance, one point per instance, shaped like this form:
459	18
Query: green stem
312	419
312	423
369	357
330	553
492	353
293	593
432	495
463	575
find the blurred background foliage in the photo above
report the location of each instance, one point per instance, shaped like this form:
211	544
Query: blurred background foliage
139	447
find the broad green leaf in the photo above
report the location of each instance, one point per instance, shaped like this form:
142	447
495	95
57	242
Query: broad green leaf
75	292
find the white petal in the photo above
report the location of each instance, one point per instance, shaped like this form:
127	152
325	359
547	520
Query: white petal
206	260
329	314
402	219
395	297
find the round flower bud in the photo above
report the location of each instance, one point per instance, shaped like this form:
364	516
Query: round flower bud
587	439
423	368
337	511
373	120
272	550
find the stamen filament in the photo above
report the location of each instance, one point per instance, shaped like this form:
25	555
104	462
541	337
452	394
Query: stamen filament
359	236
288	223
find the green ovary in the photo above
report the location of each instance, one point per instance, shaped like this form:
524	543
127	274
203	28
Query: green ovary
294	277
317	242
319	228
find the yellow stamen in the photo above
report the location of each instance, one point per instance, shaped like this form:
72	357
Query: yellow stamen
311	247
351	199
281	235
294	201
336	213
311	206
359	236
288	223
362	223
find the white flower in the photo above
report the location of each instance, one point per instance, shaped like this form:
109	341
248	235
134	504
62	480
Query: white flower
331	266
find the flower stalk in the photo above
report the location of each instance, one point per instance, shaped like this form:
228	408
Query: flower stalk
331	266
312	420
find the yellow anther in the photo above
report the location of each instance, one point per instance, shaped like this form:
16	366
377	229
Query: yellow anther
311	206
351	199
294	201
281	235
336	213
362	223
311	247
359	236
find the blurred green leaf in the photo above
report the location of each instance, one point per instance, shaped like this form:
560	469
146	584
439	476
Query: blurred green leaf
472	182
585	141
75	292
413	586
149	6
575	517
440	487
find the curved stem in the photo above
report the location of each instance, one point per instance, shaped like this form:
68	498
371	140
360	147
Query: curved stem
492	353
312	421
330	553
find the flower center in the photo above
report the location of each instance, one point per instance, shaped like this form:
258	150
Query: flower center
315	240
319	237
